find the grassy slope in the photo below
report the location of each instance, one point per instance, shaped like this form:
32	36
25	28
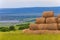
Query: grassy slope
17	35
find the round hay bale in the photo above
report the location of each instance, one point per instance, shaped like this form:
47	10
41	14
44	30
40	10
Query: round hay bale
48	14
40	31
33	27
58	20
52	26
40	20
58	16
42	26
51	20
26	31
53	32
58	26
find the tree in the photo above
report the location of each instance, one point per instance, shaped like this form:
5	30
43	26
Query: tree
12	28
24	26
4	29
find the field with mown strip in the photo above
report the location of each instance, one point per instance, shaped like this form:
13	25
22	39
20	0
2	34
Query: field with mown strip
18	35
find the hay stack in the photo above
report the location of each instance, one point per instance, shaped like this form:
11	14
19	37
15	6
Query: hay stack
51	20
33	27
40	20
48	14
45	24
52	26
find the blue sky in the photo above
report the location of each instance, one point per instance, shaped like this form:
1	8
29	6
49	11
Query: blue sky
28	3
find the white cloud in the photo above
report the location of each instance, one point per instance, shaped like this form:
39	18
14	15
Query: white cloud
28	3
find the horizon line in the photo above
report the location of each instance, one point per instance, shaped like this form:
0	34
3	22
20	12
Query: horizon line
26	7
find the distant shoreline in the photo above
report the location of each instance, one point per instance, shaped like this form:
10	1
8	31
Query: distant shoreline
10	21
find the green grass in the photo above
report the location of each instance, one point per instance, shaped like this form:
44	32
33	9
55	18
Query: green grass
18	35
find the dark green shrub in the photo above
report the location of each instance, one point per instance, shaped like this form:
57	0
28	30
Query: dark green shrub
4	29
21	28
12	28
24	26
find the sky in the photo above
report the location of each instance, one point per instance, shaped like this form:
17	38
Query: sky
28	3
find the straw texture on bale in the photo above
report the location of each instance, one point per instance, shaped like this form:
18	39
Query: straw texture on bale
40	20
35	31
58	26
52	26
48	14
58	20
42	26
27	31
53	32
33	27
41	31
51	20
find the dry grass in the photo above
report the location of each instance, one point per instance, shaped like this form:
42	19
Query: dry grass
18	35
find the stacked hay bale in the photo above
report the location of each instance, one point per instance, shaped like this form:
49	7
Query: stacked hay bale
51	21
46	22
58	21
40	20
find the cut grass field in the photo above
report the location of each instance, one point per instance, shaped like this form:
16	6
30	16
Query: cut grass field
18	35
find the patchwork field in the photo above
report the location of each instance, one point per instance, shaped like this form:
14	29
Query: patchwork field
18	35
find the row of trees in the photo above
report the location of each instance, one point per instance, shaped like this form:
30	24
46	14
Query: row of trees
13	28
